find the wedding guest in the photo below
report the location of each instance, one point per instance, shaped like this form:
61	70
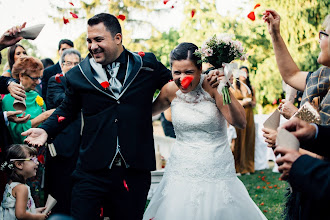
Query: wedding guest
14	52
27	70
47	62
317	82
9	85
117	149
245	142
58	180
307	175
53	70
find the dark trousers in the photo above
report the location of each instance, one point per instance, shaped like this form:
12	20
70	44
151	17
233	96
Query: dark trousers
58	181
93	190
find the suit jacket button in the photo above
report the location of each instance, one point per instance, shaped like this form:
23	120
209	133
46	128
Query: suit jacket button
118	101
116	120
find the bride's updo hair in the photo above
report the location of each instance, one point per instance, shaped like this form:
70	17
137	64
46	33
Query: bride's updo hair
185	51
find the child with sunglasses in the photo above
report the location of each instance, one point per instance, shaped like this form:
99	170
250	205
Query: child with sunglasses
20	164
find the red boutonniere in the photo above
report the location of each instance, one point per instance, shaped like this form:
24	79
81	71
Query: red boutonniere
141	53
57	77
121	17
186	81
73	15
65	20
60	119
105	84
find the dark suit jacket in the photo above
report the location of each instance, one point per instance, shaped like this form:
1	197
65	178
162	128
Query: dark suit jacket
110	124
49	72
311	178
67	141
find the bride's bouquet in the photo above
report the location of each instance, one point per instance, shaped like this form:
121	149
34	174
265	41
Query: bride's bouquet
219	51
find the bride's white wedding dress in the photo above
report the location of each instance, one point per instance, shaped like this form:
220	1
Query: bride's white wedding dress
200	182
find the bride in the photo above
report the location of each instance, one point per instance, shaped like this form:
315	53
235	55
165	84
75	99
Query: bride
199	181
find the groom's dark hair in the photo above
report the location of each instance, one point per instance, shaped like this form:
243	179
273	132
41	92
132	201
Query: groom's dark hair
110	22
185	51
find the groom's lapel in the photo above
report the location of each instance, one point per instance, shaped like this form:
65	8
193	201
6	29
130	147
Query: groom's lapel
87	71
134	64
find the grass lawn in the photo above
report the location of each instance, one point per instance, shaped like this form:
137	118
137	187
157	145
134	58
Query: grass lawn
267	191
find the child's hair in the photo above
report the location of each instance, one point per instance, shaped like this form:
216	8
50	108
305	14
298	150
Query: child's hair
16	151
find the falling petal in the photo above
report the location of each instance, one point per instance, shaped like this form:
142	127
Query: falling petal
256	6
65	20
141	53
258	187
73	15
193	13
60	119
105	84
274	102
71	3
121	17
57	77
251	16
165	2
172	6
186	81
262	203
125	185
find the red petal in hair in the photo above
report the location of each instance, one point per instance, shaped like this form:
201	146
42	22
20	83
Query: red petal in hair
186	81
252	16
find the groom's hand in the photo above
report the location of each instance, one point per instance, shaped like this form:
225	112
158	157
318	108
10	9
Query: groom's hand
36	137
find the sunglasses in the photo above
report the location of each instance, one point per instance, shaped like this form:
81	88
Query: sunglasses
322	35
34	159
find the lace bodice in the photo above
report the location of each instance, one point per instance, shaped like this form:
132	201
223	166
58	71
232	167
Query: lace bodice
201	151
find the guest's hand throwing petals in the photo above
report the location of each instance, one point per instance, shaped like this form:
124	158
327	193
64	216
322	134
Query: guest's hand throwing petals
270	136
35	136
304	131
288	157
273	21
9	37
16	91
287	109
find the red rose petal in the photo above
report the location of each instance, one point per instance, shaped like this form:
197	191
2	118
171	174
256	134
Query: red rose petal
152	218
101	214
73	15
71	3
105	84
186	81
193	13
60	119
270	187
165	2
141	53
256	6
262	203
172	6
65	20
41	159
121	17
258	187
265	211
252	16
57	77
274	102
262	172
125	185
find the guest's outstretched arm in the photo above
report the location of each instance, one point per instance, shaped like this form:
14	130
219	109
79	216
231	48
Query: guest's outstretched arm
286	65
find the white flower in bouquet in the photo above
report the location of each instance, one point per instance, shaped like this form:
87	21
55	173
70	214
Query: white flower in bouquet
220	50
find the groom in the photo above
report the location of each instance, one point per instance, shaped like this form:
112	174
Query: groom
117	148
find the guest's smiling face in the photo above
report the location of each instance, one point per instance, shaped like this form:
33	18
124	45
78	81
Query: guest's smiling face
19	52
104	47
183	68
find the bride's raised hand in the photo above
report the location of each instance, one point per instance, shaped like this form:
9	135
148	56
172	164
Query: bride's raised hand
272	18
35	136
